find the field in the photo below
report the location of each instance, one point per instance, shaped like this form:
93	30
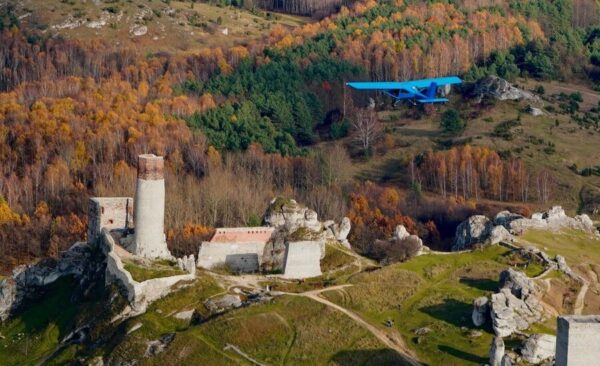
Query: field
436	292
176	26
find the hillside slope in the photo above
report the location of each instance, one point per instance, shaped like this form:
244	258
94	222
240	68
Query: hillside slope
173	26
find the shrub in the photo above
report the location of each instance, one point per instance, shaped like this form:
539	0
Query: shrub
452	123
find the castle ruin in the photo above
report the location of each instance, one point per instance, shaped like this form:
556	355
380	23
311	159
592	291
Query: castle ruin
145	214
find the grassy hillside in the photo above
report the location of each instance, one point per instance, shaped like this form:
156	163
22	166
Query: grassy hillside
554	142
433	291
173	26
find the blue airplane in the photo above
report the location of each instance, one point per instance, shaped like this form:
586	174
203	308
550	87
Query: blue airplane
422	91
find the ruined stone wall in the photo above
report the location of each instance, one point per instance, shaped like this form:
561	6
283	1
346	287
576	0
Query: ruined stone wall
239	257
577	340
109	212
139	294
302	259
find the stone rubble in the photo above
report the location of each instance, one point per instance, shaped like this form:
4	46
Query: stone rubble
538	348
223	303
153	348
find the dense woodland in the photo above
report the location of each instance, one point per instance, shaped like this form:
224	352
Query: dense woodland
237	126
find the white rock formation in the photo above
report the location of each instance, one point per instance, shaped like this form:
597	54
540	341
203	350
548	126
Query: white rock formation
289	216
476	229
401	233
187	263
496	351
501	89
138	30
538	348
499	234
515	306
506	361
481	310
554	219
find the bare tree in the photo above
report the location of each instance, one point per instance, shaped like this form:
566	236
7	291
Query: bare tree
366	128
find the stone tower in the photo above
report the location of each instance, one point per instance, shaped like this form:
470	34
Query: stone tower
149	212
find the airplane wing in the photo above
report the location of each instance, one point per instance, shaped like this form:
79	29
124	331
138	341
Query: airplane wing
404	85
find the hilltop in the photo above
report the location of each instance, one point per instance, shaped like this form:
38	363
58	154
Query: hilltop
173	26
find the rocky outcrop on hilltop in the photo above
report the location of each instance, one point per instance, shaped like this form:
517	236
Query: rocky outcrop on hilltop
476	229
515	306
289	216
500	89
554	219
479	229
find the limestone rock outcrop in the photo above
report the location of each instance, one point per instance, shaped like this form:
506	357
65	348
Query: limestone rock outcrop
480	311
498	88
223	303
400	232
504	218
496	351
476	229
499	234
288	216
554	219
538	348
515	306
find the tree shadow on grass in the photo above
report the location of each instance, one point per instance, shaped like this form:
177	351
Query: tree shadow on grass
451	311
463	355
370	357
484	284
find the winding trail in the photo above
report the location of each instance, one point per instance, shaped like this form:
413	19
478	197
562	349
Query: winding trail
393	341
579	301
229	346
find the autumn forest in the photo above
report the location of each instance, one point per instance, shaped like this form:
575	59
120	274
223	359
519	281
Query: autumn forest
241	125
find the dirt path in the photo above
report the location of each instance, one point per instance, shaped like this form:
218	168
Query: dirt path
579	301
393	341
241	353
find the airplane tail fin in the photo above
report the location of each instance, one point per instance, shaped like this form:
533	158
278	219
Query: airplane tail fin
432	91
